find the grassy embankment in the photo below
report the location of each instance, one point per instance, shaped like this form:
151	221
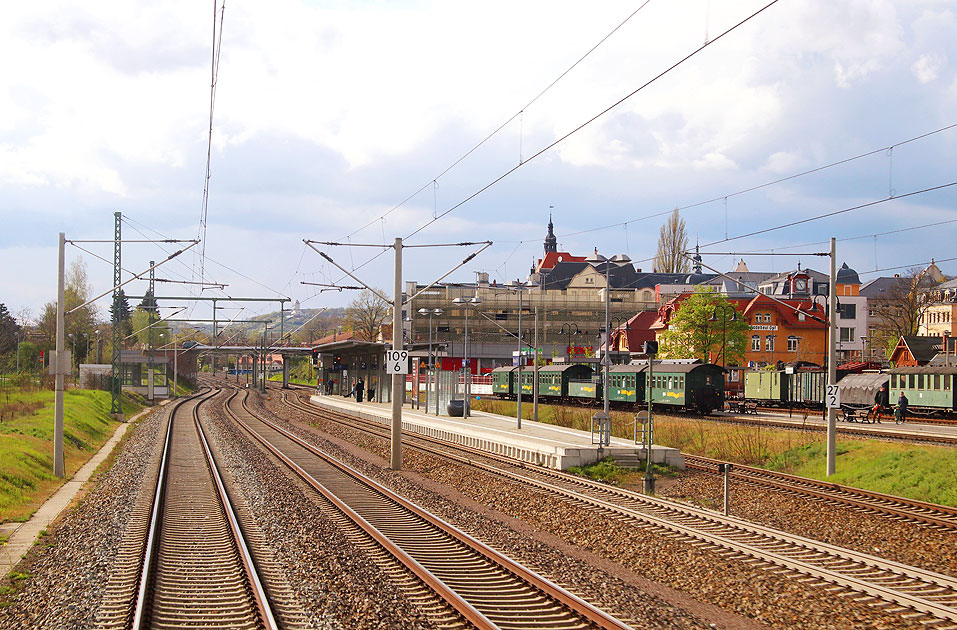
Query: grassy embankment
26	442
926	473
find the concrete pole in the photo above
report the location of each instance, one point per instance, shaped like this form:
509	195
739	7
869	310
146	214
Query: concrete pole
606	360
175	370
398	380
648	483
535	373
832	360
58	369
468	365
519	388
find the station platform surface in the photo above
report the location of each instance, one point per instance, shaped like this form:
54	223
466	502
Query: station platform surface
536	442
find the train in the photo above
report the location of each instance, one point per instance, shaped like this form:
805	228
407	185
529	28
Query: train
694	386
688	385
929	389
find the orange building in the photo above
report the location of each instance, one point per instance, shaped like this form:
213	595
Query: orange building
779	333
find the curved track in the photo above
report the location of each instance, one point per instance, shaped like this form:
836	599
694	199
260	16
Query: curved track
932	595
485	588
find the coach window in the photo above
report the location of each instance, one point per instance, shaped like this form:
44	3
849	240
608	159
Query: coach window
920	381
936	381
912	381
947	378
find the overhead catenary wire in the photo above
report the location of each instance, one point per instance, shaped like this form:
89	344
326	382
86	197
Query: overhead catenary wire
600	114
434	181
575	130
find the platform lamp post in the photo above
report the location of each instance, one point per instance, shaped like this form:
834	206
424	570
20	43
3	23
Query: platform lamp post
468	303
520	287
566	330
724	308
650	349
863	348
604	417
431	366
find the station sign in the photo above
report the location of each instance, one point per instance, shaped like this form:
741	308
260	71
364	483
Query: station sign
397	361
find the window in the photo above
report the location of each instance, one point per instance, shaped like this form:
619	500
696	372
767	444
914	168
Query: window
936	381
848	311
769	343
792	343
847	334
947	378
755	343
920	381
912	381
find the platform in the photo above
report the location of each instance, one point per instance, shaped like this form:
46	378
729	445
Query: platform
536	442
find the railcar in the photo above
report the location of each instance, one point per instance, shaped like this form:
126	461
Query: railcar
694	386
929	389
503	381
553	380
626	383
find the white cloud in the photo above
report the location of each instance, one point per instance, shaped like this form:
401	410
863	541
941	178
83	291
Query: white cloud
927	67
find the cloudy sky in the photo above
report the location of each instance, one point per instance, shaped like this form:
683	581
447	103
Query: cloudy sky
328	115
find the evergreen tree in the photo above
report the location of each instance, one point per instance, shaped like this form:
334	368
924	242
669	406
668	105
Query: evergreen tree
9	329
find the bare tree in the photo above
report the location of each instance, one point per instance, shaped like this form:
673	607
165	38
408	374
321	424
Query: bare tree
899	310
366	314
672	243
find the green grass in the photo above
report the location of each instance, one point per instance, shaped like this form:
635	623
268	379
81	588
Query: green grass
607	471
925	473
26	442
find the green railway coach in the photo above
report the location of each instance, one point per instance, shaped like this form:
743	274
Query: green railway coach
691	385
769	386
503	381
928	388
626	383
553	379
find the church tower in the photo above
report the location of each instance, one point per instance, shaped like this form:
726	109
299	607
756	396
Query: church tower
551	243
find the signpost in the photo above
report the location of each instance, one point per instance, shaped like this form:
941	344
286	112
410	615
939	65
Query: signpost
397	361
832	396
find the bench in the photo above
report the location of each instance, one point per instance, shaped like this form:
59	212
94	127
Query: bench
739	406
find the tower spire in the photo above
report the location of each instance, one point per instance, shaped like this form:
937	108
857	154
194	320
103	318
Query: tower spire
551	243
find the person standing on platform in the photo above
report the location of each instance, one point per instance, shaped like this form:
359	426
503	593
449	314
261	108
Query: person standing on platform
900	414
360	387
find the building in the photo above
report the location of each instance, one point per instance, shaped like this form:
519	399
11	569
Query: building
912	351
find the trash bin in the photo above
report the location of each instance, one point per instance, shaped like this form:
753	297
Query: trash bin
456	408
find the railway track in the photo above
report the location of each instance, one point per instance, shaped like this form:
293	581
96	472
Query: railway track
189	564
940	516
901	588
483	587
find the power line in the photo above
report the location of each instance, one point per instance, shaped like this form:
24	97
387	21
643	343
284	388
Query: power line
502	126
214	78
831	214
592	119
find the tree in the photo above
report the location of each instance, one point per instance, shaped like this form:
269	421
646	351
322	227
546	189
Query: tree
81	324
672	243
366	314
692	333
9	331
144	332
121	313
900	309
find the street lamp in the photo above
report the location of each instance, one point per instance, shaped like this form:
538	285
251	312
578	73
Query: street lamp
724	308
605	417
520	287
431	367
99	354
468	303
863	348
566	330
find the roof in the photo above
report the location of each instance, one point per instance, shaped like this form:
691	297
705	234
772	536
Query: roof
878	286
923	349
860	389
561	367
505	368
925	369
553	258
846	275
561	274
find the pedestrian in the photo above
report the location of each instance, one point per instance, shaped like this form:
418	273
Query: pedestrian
900	414
360	387
881	402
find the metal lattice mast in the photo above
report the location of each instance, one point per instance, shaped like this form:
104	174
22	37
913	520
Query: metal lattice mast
116	381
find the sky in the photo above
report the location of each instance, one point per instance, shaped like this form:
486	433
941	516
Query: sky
339	121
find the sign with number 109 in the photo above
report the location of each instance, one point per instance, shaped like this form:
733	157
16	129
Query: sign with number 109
397	361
